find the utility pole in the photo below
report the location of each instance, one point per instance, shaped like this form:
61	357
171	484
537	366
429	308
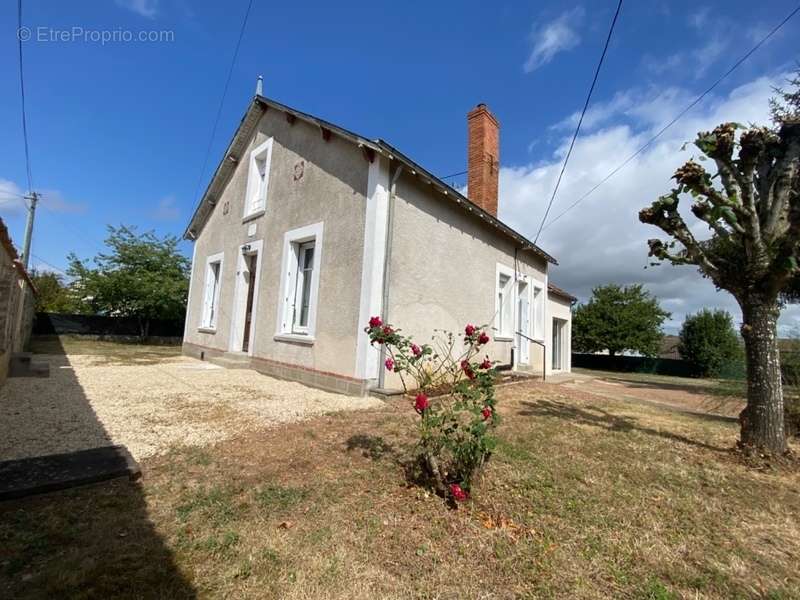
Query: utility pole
26	250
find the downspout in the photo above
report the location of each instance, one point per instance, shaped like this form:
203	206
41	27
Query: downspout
387	261
514	349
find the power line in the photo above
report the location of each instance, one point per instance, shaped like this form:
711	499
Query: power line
443	177
22	94
49	264
580	120
222	100
679	116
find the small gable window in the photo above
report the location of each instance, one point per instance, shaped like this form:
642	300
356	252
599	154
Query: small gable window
258	179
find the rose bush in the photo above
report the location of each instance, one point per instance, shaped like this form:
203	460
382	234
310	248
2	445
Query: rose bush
454	398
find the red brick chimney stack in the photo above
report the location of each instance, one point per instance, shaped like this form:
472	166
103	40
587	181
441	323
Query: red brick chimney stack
483	158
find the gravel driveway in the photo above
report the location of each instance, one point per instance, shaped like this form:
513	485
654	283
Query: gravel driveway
149	406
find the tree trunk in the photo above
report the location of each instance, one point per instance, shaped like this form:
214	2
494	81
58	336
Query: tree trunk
762	427
144	329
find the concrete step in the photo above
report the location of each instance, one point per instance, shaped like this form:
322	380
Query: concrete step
231	361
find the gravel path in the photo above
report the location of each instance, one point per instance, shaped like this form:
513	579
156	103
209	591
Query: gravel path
89	401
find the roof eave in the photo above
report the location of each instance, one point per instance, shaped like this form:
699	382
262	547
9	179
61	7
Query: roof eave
231	157
459	198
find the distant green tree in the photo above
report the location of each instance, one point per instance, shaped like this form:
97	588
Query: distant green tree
619	319
709	341
144	276
53	295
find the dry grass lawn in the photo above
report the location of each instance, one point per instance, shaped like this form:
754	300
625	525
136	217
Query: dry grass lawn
585	497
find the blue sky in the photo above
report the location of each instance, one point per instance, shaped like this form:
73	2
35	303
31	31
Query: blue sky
118	131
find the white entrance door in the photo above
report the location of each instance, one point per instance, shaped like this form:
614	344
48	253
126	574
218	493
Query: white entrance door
245	297
524	323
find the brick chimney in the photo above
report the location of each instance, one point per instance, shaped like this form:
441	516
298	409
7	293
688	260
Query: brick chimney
483	158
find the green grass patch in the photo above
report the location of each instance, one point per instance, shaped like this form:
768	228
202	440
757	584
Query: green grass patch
272	497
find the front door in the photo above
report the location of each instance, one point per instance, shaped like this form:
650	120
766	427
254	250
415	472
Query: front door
251	262
524	323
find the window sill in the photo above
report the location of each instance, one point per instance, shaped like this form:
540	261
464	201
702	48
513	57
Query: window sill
503	338
254	215
207	329
308	340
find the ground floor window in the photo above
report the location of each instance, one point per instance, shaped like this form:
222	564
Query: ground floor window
504	303
211	294
302	291
300	285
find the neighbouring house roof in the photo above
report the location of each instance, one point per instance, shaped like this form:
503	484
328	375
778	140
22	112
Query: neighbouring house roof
557	291
241	138
669	347
8	246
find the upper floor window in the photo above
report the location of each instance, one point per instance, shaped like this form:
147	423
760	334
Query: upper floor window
258	179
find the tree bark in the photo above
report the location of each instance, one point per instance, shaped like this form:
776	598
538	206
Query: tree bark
762	426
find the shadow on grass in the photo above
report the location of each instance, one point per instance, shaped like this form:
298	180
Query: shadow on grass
598	417
374	447
701	388
94	541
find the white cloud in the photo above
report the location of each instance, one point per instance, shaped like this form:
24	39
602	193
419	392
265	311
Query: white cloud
601	240
713	35
556	36
11	201
145	8
598	113
699	18
166	210
54	201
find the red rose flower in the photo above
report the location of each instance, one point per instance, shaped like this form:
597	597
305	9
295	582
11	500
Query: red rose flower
469	330
459	495
422	403
487	413
483	338
388	330
486	364
375	322
389	364
415	350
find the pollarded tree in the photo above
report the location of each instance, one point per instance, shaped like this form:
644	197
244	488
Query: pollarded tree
618	319
753	214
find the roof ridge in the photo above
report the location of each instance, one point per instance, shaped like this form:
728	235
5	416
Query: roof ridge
379	145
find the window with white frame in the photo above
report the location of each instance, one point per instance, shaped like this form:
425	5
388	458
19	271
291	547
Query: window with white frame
537	306
504	303
302	287
211	293
258	178
302	250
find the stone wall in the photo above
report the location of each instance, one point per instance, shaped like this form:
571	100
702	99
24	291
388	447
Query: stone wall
17	302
